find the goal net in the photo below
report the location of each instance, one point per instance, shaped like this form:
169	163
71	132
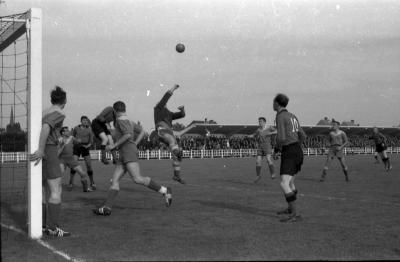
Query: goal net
20	121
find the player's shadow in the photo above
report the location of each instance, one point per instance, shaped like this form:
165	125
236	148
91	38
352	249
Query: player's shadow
95	202
237	207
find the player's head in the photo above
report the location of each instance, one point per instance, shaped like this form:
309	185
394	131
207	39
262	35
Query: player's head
85	121
119	107
335	125
280	101
262	121
58	96
64	131
375	130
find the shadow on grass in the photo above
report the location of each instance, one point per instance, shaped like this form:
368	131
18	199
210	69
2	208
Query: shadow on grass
16	216
237	207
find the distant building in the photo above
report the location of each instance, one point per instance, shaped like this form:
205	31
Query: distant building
324	122
349	123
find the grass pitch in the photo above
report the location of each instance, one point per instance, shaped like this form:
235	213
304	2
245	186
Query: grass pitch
222	215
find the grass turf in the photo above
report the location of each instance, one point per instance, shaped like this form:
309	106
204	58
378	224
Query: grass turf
222	215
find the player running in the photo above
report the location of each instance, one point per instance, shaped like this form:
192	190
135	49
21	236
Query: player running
126	144
289	138
65	153
163	123
381	148
338	140
84	134
101	129
52	121
263	138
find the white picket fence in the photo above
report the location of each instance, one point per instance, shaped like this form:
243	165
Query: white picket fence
223	153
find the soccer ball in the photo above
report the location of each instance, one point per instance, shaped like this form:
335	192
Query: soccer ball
180	48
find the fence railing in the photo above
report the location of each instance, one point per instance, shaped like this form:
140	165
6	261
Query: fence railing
221	153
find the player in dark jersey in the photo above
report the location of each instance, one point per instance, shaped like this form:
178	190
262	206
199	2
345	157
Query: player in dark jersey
52	122
126	142
263	138
65	153
289	139
163	124
83	133
381	147
338	140
101	129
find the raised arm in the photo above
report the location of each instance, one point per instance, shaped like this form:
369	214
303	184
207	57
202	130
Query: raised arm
166	97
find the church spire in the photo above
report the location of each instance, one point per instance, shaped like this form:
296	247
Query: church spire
12	120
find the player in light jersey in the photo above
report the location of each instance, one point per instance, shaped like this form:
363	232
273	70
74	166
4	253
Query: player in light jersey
338	140
381	147
163	124
126	143
263	138
65	153
84	134
289	138
101	129
52	121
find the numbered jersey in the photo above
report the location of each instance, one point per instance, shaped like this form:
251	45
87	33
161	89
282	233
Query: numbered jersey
289	129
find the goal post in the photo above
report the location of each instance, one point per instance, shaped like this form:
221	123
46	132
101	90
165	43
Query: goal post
21	90
34	29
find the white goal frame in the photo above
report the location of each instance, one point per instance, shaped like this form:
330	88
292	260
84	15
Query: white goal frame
30	23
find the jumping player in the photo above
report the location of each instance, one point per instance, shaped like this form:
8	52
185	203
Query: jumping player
163	123
289	139
84	134
101	129
381	148
338	140
263	138
52	122
128	160
65	153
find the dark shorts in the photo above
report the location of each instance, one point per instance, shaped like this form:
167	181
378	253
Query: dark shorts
163	132
291	159
51	163
335	151
70	161
264	149
80	150
128	153
380	147
99	127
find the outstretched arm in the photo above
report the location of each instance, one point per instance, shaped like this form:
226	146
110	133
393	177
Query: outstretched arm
39	154
167	96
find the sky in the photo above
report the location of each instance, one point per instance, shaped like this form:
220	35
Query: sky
339	59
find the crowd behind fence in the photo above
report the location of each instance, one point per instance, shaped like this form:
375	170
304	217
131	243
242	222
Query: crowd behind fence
6	157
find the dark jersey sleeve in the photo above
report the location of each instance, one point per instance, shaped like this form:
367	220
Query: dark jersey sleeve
164	100
178	115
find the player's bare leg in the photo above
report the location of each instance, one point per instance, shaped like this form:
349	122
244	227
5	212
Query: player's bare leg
104	143
54	208
386	160
325	169
105	209
258	168
287	183
134	172
88	162
84	181
344	168
72	173
176	157
271	166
